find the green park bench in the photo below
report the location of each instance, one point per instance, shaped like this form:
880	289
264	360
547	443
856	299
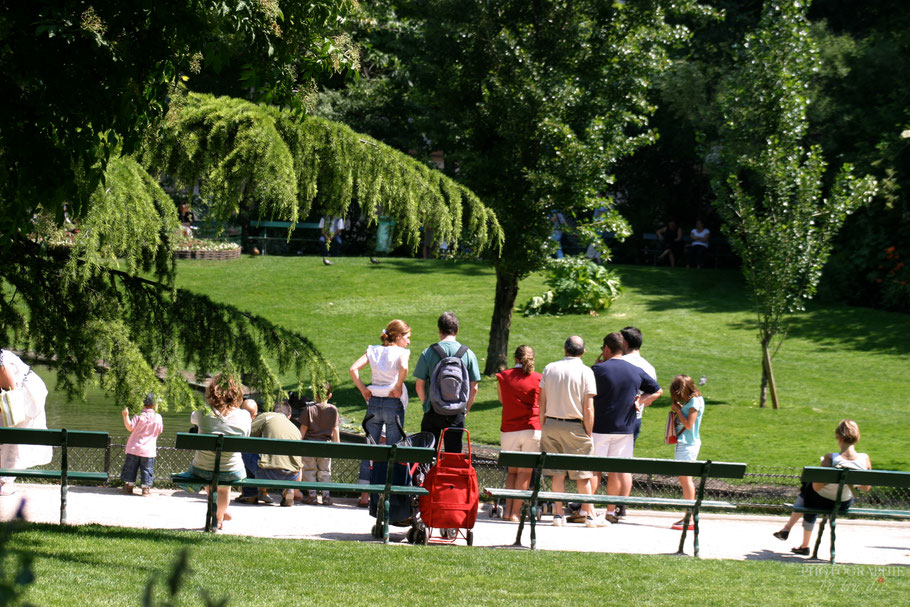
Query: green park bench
274	234
844	476
391	454
558	461
65	439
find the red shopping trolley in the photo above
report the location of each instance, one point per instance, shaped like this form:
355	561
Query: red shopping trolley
453	495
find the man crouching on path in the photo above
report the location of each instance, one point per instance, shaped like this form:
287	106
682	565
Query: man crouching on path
567	391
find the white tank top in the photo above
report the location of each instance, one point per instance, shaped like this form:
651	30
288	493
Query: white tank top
385	363
829	491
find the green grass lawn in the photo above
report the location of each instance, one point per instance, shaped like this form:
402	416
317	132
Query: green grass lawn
111	566
837	362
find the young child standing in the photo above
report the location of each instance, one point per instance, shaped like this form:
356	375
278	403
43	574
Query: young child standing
688	407
822	496
142	446
319	422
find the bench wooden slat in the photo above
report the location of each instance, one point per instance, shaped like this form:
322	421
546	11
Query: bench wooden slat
888	478
600	499
305	448
284	224
855	512
56	474
637	465
53	437
184	478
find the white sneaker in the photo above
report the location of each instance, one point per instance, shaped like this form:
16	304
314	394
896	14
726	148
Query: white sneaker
558	520
596	522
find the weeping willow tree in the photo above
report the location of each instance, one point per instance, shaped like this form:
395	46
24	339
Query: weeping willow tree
284	165
108	302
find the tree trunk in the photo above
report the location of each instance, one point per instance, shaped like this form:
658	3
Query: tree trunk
769	372
501	324
763	397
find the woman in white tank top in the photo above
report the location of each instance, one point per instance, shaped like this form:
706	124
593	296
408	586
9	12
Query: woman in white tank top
386	396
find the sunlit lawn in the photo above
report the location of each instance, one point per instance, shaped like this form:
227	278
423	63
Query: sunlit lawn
837	362
111	566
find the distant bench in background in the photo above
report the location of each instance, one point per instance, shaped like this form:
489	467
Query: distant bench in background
274	236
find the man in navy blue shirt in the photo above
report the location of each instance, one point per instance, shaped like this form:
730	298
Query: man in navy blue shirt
615	410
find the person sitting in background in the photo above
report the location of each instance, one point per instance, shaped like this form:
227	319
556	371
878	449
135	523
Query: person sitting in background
671	240
319	423
822	496
142	445
223	396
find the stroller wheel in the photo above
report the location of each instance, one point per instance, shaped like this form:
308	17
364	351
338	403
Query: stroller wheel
470	537
412	535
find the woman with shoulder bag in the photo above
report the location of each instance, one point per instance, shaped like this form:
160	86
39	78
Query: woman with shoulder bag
17	376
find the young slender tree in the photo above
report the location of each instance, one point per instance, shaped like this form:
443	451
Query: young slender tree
779	211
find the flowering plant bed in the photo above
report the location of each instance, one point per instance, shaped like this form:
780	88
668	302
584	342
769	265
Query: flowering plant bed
200	248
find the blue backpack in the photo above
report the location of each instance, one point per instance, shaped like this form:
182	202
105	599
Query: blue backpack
449	383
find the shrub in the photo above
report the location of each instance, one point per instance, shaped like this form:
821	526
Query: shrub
578	286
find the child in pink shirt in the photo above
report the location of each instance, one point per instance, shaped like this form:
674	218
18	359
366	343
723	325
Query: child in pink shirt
142	446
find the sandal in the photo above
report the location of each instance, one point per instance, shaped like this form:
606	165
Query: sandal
800	551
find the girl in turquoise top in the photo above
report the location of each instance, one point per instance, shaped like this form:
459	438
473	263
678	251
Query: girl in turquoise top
688	406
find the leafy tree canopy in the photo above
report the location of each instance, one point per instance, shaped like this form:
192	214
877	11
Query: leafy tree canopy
532	103
81	81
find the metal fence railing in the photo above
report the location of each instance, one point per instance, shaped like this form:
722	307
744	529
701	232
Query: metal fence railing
764	487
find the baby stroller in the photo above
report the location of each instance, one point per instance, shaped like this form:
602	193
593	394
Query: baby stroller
451	504
403	509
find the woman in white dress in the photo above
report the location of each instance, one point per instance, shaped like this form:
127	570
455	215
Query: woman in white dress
15	375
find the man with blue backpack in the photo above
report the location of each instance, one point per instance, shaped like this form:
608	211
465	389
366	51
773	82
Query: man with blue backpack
447	374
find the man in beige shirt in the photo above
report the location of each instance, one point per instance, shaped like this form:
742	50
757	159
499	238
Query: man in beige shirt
567	391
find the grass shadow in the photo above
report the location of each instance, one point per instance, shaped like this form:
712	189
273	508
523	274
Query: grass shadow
724	291
435	266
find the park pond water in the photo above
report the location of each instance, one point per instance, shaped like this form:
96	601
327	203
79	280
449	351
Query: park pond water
98	411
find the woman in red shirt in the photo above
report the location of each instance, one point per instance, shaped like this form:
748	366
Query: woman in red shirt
519	390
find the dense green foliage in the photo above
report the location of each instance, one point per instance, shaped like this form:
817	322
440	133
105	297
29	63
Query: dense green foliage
770	187
859	87
577	286
532	103
80	81
111	566
108	301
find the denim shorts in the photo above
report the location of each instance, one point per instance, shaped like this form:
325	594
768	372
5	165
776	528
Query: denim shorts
223	476
687	453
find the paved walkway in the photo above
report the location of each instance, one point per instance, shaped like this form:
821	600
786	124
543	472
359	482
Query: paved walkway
723	536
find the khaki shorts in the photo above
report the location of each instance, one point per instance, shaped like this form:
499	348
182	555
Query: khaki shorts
570	438
520	440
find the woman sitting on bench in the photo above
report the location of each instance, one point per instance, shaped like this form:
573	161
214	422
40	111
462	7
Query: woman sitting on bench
821	496
224	416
